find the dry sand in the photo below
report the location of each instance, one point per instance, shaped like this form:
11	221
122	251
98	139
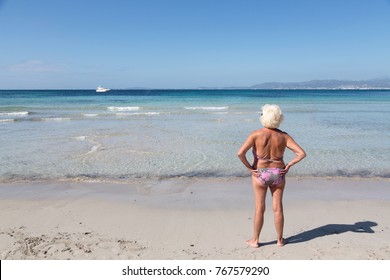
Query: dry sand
189	219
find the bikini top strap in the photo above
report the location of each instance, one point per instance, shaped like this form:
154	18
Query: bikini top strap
266	159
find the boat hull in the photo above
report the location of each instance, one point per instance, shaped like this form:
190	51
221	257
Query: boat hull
102	89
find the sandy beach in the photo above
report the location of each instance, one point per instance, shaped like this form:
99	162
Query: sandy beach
182	218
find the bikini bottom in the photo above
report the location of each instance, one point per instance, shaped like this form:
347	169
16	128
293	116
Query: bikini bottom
270	177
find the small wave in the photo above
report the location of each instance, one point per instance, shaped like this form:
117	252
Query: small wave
81	138
220	113
137	114
94	149
207	108
54	119
7	120
361	173
90	115
14	114
123	108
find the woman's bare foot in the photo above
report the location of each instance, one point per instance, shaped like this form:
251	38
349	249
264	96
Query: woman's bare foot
252	243
281	243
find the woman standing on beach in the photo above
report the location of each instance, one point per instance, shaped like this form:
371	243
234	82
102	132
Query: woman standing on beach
268	169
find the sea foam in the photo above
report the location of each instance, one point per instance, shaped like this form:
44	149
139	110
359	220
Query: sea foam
54	119
207	108
15	114
81	138
112	108
90	115
6	120
137	114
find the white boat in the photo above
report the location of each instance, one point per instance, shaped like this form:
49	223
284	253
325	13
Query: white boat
102	89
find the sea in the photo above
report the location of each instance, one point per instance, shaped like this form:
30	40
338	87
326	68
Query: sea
120	135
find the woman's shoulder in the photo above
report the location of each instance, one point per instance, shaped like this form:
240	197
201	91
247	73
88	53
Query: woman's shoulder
268	132
282	132
257	132
274	130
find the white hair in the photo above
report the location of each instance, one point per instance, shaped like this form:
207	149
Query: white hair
271	116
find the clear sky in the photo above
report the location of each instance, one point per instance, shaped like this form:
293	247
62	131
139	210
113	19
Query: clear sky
190	43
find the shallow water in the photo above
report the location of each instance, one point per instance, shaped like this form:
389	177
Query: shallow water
127	134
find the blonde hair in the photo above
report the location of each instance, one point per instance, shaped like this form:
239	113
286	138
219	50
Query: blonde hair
271	116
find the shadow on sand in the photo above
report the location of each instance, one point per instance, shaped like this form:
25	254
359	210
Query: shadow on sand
359	227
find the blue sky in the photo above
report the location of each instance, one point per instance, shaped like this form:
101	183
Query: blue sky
190	43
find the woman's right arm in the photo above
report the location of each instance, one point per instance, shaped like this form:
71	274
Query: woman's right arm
300	154
248	144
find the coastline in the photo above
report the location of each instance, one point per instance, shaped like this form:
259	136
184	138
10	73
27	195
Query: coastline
191	218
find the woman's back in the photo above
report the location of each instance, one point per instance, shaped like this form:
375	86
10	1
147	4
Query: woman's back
269	147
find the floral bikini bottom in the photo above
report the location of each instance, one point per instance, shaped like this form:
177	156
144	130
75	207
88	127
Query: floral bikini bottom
270	177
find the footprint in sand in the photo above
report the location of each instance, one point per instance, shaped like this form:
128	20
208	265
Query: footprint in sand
86	245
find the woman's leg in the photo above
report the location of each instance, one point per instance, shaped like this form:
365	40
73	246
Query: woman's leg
277	206
260	192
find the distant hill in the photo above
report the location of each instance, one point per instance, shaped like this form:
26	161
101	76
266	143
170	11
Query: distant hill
381	83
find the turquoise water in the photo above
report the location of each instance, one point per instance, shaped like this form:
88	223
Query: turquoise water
124	134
